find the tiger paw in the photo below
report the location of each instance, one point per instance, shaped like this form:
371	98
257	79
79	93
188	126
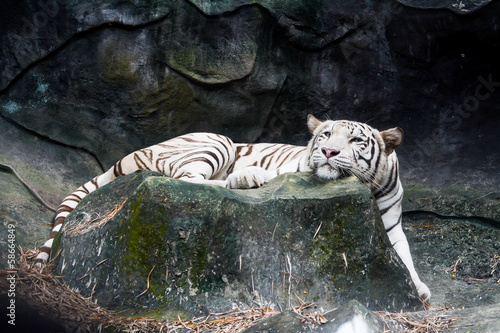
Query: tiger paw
423	292
249	177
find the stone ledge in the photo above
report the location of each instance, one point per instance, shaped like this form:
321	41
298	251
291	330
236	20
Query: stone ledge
208	249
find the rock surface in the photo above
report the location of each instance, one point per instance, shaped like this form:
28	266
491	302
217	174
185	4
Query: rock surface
208	249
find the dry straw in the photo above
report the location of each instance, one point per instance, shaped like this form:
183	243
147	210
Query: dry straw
88	225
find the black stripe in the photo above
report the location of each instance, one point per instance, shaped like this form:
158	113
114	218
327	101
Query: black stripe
160	162
388	186
200	159
225	143
385	210
117	169
238	151
140	163
77	200
392	227
385	199
83	189
73	197
45	249
263	160
64	209
377	162
250	149
185	138
369	159
59	220
148	153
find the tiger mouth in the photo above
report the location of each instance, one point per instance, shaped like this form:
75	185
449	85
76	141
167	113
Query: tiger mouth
329	167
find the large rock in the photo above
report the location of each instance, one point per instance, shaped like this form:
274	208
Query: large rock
181	248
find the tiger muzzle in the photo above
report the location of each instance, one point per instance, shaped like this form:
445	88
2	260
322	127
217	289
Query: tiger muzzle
329	152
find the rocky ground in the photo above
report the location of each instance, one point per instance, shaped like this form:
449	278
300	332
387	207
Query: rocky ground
458	258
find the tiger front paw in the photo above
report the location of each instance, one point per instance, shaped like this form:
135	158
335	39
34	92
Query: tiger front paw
249	177
424	293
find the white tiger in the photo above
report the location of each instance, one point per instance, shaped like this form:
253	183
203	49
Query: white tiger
337	149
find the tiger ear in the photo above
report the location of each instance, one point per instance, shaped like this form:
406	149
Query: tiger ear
392	139
313	123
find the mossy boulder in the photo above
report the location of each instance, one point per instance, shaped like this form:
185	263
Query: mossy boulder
174	248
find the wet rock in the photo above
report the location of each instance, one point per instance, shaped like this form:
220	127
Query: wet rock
206	248
484	319
353	317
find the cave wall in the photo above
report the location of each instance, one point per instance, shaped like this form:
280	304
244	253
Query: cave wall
104	78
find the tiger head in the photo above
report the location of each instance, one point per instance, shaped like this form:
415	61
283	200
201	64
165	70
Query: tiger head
343	148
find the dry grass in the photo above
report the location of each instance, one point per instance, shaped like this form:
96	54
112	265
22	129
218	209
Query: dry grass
46	292
407	322
87	226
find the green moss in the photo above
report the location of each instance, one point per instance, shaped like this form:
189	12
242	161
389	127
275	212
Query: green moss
118	67
335	239
143	244
151	241
170	106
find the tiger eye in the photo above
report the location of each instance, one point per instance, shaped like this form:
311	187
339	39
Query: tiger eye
357	139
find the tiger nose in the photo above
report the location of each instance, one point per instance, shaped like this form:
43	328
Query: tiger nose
329	152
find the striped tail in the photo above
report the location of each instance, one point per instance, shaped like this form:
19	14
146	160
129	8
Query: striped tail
66	207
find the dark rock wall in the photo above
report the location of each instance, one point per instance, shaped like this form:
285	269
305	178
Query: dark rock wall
113	77
84	83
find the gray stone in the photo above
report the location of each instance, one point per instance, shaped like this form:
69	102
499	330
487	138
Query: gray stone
129	95
353	317
284	322
206	248
484	319
455	258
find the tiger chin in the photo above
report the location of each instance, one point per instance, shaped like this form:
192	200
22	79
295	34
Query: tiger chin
336	149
